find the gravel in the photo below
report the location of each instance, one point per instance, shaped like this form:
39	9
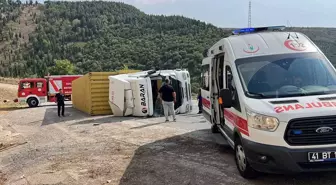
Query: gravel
126	151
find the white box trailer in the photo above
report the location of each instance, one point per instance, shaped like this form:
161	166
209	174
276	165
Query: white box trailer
136	94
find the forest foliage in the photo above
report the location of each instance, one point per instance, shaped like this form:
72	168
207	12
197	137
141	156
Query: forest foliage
62	67
79	37
105	36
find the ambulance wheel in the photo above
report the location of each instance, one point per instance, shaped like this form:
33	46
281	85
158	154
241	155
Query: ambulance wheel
32	102
214	128
243	165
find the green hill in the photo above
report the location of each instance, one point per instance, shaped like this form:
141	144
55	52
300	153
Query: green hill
105	36
324	38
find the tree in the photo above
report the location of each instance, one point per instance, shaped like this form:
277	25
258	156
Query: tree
106	36
62	67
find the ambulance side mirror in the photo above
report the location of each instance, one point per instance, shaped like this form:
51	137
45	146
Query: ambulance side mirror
225	95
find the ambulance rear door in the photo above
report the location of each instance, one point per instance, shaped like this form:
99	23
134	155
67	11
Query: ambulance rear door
205	87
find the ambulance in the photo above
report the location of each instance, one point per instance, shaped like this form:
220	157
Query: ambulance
272	95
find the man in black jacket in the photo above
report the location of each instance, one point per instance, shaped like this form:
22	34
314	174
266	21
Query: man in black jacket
168	97
60	102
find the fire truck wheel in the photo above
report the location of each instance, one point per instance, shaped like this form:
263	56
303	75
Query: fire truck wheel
243	165
32	102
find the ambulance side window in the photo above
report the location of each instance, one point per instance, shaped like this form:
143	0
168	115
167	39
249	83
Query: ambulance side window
221	72
230	84
205	77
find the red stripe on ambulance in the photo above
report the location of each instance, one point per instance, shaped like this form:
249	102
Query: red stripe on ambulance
238	121
206	103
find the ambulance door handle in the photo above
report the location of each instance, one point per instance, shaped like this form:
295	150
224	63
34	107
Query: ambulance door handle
207	96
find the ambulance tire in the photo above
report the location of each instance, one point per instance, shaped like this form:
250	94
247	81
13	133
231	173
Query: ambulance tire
243	165
32	102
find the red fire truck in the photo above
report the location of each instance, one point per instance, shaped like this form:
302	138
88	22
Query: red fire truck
35	91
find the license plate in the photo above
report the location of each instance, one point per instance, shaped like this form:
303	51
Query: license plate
321	156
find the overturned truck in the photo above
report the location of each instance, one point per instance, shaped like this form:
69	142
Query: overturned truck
136	94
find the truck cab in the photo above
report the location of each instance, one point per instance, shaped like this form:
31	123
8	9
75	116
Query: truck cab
272	95
32	91
136	94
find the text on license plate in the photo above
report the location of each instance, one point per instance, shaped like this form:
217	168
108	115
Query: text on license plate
321	156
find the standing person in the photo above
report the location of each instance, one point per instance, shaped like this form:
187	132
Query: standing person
200	106
60	102
168	97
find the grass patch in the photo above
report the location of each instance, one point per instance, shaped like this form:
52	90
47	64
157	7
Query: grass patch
12	106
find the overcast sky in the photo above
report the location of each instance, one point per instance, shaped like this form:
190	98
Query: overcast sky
234	13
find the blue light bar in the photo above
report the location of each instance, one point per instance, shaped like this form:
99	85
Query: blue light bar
243	30
260	29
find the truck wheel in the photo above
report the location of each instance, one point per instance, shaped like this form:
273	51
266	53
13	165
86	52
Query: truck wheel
243	165
32	102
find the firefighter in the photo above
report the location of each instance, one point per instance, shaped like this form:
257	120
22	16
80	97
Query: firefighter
60	102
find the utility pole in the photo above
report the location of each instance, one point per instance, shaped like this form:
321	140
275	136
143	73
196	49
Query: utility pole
250	14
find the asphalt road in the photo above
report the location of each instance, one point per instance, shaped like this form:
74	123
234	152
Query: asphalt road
79	149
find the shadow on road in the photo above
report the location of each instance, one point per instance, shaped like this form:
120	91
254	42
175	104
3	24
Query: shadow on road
51	117
184	160
178	160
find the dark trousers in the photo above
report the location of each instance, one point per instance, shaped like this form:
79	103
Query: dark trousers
59	106
200	108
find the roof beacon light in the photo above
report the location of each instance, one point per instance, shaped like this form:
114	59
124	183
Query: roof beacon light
260	29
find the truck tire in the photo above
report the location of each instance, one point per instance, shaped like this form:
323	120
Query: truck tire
32	102
243	165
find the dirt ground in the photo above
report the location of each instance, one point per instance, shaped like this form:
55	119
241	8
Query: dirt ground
8	92
37	147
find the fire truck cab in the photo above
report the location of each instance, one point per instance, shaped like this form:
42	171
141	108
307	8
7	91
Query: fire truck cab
271	94
35	91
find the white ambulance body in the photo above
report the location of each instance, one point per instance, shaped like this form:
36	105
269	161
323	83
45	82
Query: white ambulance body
272	95
136	94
